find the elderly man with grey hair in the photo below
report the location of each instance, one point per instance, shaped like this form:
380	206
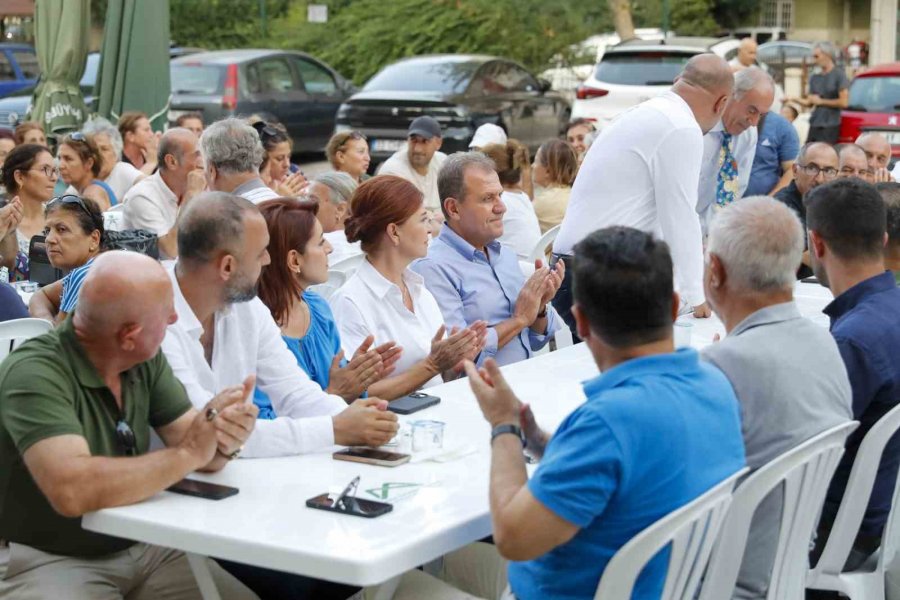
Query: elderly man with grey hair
232	153
787	372
332	192
730	146
829	92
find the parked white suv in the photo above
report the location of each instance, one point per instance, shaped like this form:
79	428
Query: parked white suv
626	76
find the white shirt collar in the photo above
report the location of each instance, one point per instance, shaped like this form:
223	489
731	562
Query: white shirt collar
381	286
187	318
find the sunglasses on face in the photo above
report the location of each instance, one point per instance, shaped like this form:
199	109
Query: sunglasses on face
70	199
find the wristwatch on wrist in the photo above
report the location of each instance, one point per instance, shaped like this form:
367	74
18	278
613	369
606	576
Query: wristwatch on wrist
508	428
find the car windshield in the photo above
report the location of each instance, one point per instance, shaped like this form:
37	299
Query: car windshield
196	79
641	68
875	94
447	77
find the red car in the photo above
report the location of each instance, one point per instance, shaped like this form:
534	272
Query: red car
874	105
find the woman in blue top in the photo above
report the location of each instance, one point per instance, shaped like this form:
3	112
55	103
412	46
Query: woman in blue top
299	254
80	163
74	230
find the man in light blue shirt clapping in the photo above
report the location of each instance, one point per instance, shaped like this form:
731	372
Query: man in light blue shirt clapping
473	277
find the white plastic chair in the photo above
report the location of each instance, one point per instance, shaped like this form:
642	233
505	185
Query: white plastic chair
805	472
335	280
16	331
829	571
691	530
540	248
348	265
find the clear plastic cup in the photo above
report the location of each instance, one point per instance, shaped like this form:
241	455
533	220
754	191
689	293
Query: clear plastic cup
427	435
683	334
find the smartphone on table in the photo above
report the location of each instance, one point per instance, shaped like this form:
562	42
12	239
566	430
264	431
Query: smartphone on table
411	403
202	489
371	456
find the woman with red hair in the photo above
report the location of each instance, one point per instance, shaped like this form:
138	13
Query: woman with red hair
299	254
387	300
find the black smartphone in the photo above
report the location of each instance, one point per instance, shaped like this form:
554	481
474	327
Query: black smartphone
411	403
202	489
357	507
370	456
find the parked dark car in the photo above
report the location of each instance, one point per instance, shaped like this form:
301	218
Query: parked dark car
14	107
18	68
293	88
461	92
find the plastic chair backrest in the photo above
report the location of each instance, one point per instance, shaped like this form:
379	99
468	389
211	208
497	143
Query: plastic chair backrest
16	331
856	500
691	530
348	265
540	248
335	280
805	472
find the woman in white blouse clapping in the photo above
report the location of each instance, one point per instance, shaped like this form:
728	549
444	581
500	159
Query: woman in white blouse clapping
386	299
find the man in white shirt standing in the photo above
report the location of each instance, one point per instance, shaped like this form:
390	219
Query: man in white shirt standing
729	148
232	153
421	160
153	202
643	172
224	333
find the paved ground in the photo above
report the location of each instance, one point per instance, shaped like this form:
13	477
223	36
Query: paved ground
313	164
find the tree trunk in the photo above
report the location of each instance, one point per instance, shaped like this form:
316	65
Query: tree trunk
621	14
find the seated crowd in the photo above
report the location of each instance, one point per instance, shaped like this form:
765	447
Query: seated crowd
230	349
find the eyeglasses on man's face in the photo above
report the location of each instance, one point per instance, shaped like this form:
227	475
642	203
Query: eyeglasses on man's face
813	170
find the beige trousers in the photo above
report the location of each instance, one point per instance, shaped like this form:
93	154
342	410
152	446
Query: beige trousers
142	572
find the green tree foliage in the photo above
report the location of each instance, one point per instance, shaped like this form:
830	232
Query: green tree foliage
693	17
222	23
736	13
364	35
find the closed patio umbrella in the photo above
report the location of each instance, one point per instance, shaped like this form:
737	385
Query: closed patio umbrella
134	61
61	38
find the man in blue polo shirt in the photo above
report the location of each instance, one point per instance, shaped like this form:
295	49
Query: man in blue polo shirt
658	429
846	219
776	152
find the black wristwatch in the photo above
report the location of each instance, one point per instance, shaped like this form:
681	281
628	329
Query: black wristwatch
508	428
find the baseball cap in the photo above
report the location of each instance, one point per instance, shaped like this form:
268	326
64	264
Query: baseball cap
426	127
488	134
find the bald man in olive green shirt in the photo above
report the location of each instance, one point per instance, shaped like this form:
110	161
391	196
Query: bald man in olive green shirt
76	408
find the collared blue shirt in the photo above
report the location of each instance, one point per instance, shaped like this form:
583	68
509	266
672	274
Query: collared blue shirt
655	433
469	287
778	143
865	323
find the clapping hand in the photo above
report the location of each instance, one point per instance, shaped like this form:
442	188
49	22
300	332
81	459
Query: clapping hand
552	281
292	185
365	368
10	216
497	401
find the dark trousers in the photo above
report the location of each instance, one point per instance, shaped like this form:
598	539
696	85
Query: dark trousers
863	547
563	300
828	135
277	585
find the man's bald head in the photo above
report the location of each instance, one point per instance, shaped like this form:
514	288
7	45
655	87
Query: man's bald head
708	72
705	84
877	149
124	307
747	52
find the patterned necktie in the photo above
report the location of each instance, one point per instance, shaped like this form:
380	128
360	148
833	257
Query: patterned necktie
727	177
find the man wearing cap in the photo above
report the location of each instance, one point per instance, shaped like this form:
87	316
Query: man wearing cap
420	161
